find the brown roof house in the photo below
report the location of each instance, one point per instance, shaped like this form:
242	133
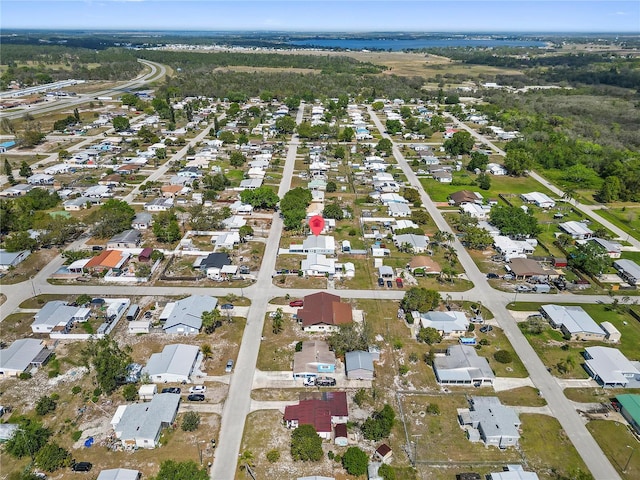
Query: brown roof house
423	265
383	453
465	196
323	410
323	312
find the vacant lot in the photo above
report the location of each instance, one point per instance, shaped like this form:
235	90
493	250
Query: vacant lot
619	445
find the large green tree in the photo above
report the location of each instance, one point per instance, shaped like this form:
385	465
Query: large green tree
591	258
263	198
460	143
420	299
52	457
286	124
306	444
120	124
518	161
379	424
30	437
166	227
113	217
355	461
514	221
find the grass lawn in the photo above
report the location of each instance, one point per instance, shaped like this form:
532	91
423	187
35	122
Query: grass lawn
523	396
627	218
30	266
619	445
596	395
499	184
547	448
276	351
498	341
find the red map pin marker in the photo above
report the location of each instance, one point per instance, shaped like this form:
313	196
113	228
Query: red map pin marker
316	223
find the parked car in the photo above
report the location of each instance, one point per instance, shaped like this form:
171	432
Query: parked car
399	282
196	397
296	303
309	381
493	275
244	270
523	288
148	314
226	306
508	276
81	466
171	390
389	284
198	389
97	248
325	382
229	366
380	282
486	328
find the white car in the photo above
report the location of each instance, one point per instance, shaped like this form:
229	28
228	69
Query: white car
198	389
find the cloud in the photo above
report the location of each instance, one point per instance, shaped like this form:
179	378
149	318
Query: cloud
619	14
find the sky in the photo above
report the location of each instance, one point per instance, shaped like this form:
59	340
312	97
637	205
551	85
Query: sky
319	15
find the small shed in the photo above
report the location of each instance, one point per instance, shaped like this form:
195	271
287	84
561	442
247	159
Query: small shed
613	335
340	435
146	392
383	453
145	254
560	262
139	326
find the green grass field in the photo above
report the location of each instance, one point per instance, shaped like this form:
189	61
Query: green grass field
619	445
625	218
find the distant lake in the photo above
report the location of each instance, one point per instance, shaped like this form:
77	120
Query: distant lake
401	44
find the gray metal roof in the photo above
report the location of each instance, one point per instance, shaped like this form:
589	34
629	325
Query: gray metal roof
177	359
188	311
128	236
358	360
574	319
447	322
610	365
7	258
54	313
119	474
144	420
513	472
462	364
7	430
20	354
630	267
494	419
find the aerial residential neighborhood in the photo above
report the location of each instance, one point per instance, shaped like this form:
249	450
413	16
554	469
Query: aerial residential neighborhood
226	260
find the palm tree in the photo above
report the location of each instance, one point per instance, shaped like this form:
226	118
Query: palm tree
569	194
246	461
207	351
451	255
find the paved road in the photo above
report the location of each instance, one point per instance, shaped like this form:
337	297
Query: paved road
238	403
571	422
157	71
589	210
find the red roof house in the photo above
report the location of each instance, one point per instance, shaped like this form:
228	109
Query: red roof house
320	409
323	312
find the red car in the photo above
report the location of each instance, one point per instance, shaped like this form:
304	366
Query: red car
296	303
399	282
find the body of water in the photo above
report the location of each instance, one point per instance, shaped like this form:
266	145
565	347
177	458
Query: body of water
408	44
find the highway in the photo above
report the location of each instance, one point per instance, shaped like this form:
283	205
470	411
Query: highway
156	72
573	425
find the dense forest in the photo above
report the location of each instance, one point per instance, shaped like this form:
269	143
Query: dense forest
32	65
326	64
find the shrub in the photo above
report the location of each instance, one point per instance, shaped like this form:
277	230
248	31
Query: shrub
76	390
397	344
52	457
433	409
130	392
25	376
306	444
273	456
299	346
190	421
503	356
355	461
413	357
403	369
45	405
76	435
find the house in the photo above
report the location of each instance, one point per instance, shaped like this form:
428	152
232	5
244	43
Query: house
399	210
323	244
54	317
226	240
57	169
465	196
512	249
139	425
423	265
462	366
386	187
490	229
449	324
481	212
77	204
97	191
389	198
418	242
359	365
315	358
108	260
239	208
234	223
119	474
142	221
496	169
12	259
159	205
577	230
186	315
610	368
402	224
542	200
323	312
574	322
628	270
442	176
16	190
40	179
383	453
523	268
385	272
22	355
320	409
135	327
172	191
317	264
491	422
126	239
250	183
613	249
174	364
513	472
341	435
630	409
190	172
213	261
